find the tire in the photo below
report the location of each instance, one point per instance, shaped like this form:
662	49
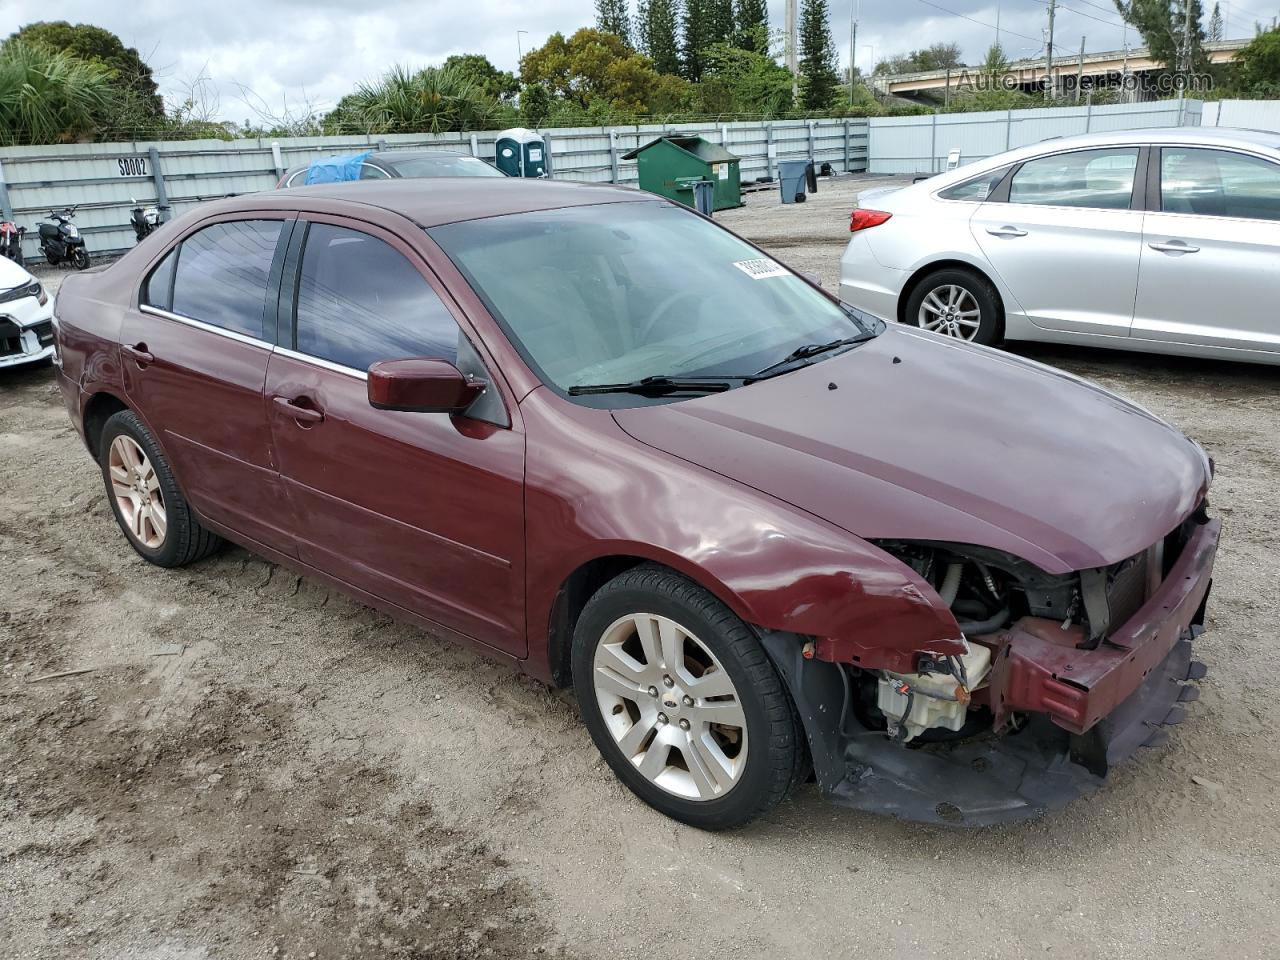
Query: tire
691	768
944	302
182	540
80	258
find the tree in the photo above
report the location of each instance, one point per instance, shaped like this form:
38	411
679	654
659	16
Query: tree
658	28
495	84
613	16
818	77
535	104
433	100
592	69
720	22
131	78
1215	24
698	35
49	96
1257	66
940	56
742	81
751	25
1162	25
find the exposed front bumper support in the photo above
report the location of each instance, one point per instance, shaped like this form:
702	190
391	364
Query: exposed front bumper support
1121	695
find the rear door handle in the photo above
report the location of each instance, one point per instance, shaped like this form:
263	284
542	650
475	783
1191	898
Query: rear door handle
138	353
1174	246
1006	232
296	412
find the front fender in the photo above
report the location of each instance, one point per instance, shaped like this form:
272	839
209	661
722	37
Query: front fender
776	566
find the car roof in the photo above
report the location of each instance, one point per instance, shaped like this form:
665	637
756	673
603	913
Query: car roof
1198	136
433	201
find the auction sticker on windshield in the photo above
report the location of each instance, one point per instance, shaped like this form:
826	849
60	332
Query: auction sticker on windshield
762	269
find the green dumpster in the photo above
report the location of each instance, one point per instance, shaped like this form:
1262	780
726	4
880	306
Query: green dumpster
669	166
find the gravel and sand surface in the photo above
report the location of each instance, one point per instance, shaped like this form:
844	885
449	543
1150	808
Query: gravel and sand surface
253	766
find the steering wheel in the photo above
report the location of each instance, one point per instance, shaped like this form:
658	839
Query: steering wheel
662	309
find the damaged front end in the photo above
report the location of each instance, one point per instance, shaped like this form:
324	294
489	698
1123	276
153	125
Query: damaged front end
1064	677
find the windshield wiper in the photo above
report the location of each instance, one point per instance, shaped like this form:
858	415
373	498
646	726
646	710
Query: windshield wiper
805	352
655	386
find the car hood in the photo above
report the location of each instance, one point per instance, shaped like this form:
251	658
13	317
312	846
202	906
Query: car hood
914	436
12	275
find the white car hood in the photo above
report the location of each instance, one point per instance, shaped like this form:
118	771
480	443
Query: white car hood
12	275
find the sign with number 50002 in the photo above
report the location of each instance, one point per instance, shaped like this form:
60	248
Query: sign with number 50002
133	166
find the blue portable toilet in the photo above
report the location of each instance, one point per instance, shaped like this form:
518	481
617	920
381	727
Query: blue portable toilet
522	153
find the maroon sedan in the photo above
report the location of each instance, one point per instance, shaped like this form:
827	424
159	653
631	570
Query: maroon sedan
763	536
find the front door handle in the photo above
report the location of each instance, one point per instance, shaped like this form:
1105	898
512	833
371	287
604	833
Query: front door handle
1174	246
1006	232
138	353
296	412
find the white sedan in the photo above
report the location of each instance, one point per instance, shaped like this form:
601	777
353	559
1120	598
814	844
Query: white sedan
26	317
1165	241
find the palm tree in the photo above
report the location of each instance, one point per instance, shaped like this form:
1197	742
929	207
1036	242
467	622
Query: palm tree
433	100
48	96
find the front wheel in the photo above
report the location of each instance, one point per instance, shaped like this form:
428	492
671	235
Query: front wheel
956	303
682	701
80	258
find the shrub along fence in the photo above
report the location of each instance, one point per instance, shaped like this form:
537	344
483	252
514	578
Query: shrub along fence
104	179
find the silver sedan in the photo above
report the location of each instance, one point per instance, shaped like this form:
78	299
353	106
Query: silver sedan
1165	241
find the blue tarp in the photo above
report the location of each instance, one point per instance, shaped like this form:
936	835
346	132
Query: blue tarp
336	169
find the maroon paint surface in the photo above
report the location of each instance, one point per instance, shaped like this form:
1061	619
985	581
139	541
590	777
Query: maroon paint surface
766	495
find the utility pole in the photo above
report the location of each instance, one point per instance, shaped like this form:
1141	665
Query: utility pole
1050	88
789	43
1186	39
853	41
1080	71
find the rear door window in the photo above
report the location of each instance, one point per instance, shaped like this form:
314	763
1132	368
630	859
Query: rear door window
1218	183
360	301
1101	179
222	275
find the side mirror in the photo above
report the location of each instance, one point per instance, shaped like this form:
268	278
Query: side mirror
421	386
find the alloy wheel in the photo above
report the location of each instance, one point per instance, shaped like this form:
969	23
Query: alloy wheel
670	706
951	310
136	488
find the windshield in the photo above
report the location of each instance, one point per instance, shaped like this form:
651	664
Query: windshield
459	166
618	292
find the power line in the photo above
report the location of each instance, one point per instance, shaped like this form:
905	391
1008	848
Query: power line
981	23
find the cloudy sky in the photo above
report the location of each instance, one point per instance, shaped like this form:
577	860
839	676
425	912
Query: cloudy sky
290	52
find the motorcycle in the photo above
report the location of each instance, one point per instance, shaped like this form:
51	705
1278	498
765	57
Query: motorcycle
144	222
60	241
11	241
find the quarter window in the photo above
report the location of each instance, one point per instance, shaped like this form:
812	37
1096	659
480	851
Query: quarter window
1101	179
977	189
360	302
158	290
1216	183
222	273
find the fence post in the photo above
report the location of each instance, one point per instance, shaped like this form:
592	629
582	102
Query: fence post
724	135
811	142
1008	129
770	151
933	143
157	174
382	145
1182	108
546	145
475	146
848	158
613	155
1088	113
277	158
6	208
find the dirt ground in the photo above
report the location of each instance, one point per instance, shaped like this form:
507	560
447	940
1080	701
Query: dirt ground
253	766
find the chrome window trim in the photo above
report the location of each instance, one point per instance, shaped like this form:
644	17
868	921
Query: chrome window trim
207	327
323	364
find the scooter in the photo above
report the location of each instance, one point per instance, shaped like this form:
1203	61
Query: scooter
61	242
11	241
145	221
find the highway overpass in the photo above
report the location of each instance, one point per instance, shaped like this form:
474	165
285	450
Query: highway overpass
1107	69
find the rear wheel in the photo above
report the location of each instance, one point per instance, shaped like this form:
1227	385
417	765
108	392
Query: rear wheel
683	702
145	498
956	303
